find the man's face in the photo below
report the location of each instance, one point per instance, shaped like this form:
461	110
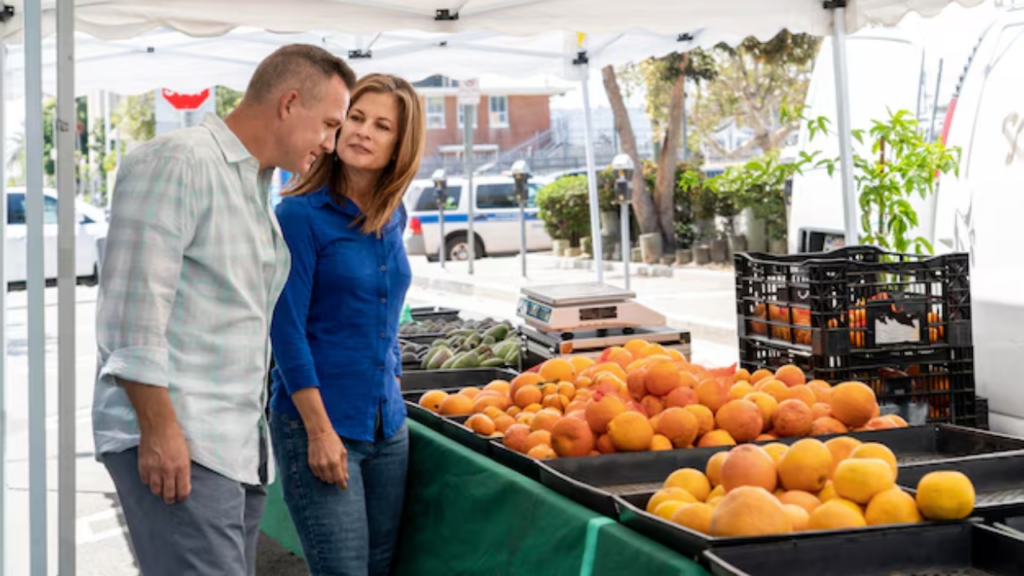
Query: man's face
308	129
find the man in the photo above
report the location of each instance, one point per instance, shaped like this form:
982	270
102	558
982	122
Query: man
194	264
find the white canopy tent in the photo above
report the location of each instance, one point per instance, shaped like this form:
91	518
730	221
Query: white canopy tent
541	26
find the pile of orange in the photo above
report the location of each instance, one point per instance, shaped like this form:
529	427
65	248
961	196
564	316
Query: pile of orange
644	397
812	485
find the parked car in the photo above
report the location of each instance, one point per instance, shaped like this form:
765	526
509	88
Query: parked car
495	222
92	226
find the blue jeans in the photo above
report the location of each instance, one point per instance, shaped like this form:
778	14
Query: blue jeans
344	532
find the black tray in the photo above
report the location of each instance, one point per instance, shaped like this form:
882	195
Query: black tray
955	549
434	313
517	461
633	514
593	481
424	338
998	482
423	380
450	426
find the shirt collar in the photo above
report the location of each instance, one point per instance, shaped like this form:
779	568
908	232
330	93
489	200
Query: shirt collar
321	198
233	149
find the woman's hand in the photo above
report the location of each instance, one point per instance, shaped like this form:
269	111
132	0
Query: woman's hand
328	458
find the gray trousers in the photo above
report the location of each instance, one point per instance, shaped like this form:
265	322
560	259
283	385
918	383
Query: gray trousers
213	532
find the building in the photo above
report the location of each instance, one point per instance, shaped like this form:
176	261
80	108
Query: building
511	122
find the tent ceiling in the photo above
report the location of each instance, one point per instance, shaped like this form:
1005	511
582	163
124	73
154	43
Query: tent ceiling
113	19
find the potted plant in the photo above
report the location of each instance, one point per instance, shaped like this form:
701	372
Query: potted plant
564	207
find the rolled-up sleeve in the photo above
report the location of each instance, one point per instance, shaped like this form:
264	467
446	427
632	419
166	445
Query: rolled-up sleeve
152	223
292	353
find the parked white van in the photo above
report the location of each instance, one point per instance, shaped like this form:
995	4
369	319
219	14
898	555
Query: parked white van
981	212
495	219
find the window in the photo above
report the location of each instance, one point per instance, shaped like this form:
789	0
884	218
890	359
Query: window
496	196
15	208
462	118
435	112
427	203
49	210
499	111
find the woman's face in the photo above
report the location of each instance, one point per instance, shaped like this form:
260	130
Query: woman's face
370	133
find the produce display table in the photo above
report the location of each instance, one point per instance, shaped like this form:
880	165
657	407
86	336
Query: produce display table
466	514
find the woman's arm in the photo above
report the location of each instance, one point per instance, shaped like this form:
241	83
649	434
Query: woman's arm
292	354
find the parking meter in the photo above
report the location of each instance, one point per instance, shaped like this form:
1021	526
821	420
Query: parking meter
441	198
521	175
623	168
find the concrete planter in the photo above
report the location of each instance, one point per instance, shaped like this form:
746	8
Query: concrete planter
610	223
719	250
702	255
587	245
684	256
737	244
778	247
572	252
558	247
636	255
651	248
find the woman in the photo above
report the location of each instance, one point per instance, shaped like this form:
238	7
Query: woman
337	417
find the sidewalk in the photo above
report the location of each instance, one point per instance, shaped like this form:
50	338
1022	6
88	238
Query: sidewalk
700	300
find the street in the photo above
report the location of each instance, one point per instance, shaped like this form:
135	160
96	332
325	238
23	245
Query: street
103	548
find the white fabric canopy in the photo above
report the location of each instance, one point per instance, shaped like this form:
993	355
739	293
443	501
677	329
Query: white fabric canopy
111	19
170	59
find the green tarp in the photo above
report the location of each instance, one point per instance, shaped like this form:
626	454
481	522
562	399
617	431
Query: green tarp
466	514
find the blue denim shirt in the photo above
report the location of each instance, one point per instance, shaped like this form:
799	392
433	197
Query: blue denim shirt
336	323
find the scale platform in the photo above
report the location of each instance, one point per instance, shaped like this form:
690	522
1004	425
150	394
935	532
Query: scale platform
574	307
540	346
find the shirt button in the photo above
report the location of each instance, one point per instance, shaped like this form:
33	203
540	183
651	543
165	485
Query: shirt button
381	367
383	300
383	335
383	268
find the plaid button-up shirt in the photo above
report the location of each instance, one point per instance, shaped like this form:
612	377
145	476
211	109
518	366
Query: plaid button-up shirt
194	264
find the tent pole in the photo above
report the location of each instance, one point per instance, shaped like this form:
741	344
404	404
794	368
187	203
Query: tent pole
850	204
35	286
469	118
595	222
66	284
3	314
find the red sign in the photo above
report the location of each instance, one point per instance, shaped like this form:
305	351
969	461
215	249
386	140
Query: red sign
185	101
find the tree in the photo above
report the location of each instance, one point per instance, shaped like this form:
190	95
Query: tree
135	117
227	100
756	81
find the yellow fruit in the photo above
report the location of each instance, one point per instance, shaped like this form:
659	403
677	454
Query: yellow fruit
859	480
836	514
631	432
717	492
879	451
806	466
749	511
693	481
666	510
696	517
776	450
946	495
714	468
432	400
828	493
808	502
669	495
894	506
798	517
841	448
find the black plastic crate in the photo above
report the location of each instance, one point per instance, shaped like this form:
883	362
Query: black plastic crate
955	549
998	482
423	380
421	313
450	426
594	481
932	385
517	461
633	514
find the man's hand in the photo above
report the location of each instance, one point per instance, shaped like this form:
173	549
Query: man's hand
165	462
328	458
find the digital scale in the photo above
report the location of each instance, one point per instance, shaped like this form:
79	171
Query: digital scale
585	319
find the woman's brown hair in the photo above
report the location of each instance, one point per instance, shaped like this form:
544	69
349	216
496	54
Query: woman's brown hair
328	170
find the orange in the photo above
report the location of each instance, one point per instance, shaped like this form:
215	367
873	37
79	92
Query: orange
524	379
742	419
822	390
515	437
705	419
829	493
696	517
742	375
457	405
601	412
572	437
502	422
652	405
767	404
528	395
792	419
499	386
714	468
481	424
526	417
712	393
799	518
660	443
827	425
749	465
749	511
836	514
808	502
716	438
691	480
557	370
470	392
760	375
432	400
859	480
791	375
776	450
804	394
877	450
822	410
681	397
484	401
679	426
806	466
853	404
581	363
662	378
946	495
604	444
774	388
894	506
739	390
669	495
514	411
636	345
545	420
541	452
630	432
765	438
538	437
666	510
841	448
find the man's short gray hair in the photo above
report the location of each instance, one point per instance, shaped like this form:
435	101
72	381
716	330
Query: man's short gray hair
301	67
